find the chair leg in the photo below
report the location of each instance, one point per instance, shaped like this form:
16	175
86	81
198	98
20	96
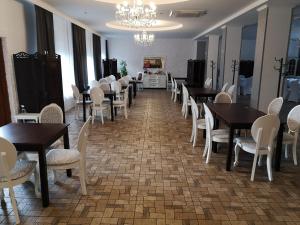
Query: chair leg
205	148
269	167
82	179
93	116
14	204
195	137
209	150
37	183
286	154
237	153
77	111
101	114
295	154
254	167
192	136
125	112
260	160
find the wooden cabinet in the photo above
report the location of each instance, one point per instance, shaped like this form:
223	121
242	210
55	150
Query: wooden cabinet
196	72
155	81
39	80
110	67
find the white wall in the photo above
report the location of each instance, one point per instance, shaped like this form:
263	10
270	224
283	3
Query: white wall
64	47
176	52
16	38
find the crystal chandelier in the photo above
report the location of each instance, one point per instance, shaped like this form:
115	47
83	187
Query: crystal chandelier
137	15
144	39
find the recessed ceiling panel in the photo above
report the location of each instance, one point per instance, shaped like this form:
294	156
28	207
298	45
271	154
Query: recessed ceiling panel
157	2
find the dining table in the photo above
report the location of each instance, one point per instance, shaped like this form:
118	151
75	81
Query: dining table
37	137
107	93
201	92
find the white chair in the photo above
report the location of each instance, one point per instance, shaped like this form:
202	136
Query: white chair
117	87
97	97
231	90
223	97
104	80
275	106
224	87
52	114
263	132
94	83
186	102
13	172
291	137
78	98
112	78
63	159
140	79
172	89
197	122
176	91
124	81
217	135
122	103
208	83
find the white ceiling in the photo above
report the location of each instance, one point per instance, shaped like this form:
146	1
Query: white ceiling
96	14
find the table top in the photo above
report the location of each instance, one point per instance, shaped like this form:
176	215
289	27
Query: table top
106	92
202	92
27	135
27	115
235	114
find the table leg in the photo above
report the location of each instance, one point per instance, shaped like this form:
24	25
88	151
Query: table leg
67	146
215	144
279	148
44	178
83	108
180	95
230	147
134	89
116	110
112	115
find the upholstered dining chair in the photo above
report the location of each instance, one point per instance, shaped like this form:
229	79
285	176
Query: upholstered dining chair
94	83
78	100
97	97
186	102
122	102
63	159
208	83
275	106
223	97
176	90
172	89
213	135
231	90
224	87
291	137
104	80
263	131
14	172
198	123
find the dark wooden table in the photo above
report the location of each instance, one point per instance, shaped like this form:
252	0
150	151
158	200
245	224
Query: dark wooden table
108	94
235	116
32	137
201	92
134	84
130	95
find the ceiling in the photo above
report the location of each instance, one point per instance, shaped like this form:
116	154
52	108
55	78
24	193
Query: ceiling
96	14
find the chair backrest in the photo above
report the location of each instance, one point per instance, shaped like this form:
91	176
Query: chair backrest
103	80
83	137
264	130
51	114
185	94
230	90
123	81
126	94
275	106
140	76
116	86
208	82
224	87
209	119
293	119
195	109
223	97
8	157
104	86
97	96
94	83
175	84
172	81
112	78
76	93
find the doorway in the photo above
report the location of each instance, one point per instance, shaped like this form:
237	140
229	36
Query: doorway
5	115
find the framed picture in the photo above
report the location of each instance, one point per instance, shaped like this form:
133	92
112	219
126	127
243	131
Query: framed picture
153	63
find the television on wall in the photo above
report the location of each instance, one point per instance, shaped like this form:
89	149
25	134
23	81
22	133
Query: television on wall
153	63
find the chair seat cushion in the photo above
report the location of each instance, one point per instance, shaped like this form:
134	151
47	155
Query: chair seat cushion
220	131
288	138
22	168
118	102
246	143
57	157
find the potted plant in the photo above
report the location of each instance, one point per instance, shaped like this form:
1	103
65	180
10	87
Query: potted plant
123	68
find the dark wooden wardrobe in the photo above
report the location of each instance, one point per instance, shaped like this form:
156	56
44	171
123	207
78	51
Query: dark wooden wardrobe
110	67
39	80
196	72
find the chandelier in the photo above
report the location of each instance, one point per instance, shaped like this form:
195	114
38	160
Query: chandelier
137	15
144	39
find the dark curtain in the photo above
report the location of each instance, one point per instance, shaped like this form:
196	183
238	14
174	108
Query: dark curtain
4	101
45	30
97	56
80	60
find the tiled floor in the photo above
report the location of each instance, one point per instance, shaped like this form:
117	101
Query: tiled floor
144	171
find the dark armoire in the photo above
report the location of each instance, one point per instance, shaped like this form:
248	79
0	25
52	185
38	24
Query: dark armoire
110	67
196	72
39	80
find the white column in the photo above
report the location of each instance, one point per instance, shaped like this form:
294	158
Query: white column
212	55
276	45
232	52
259	53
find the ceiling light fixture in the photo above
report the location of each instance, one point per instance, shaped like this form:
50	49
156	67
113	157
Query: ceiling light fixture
144	39
137	15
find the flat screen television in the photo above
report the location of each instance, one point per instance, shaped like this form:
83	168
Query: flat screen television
153	63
